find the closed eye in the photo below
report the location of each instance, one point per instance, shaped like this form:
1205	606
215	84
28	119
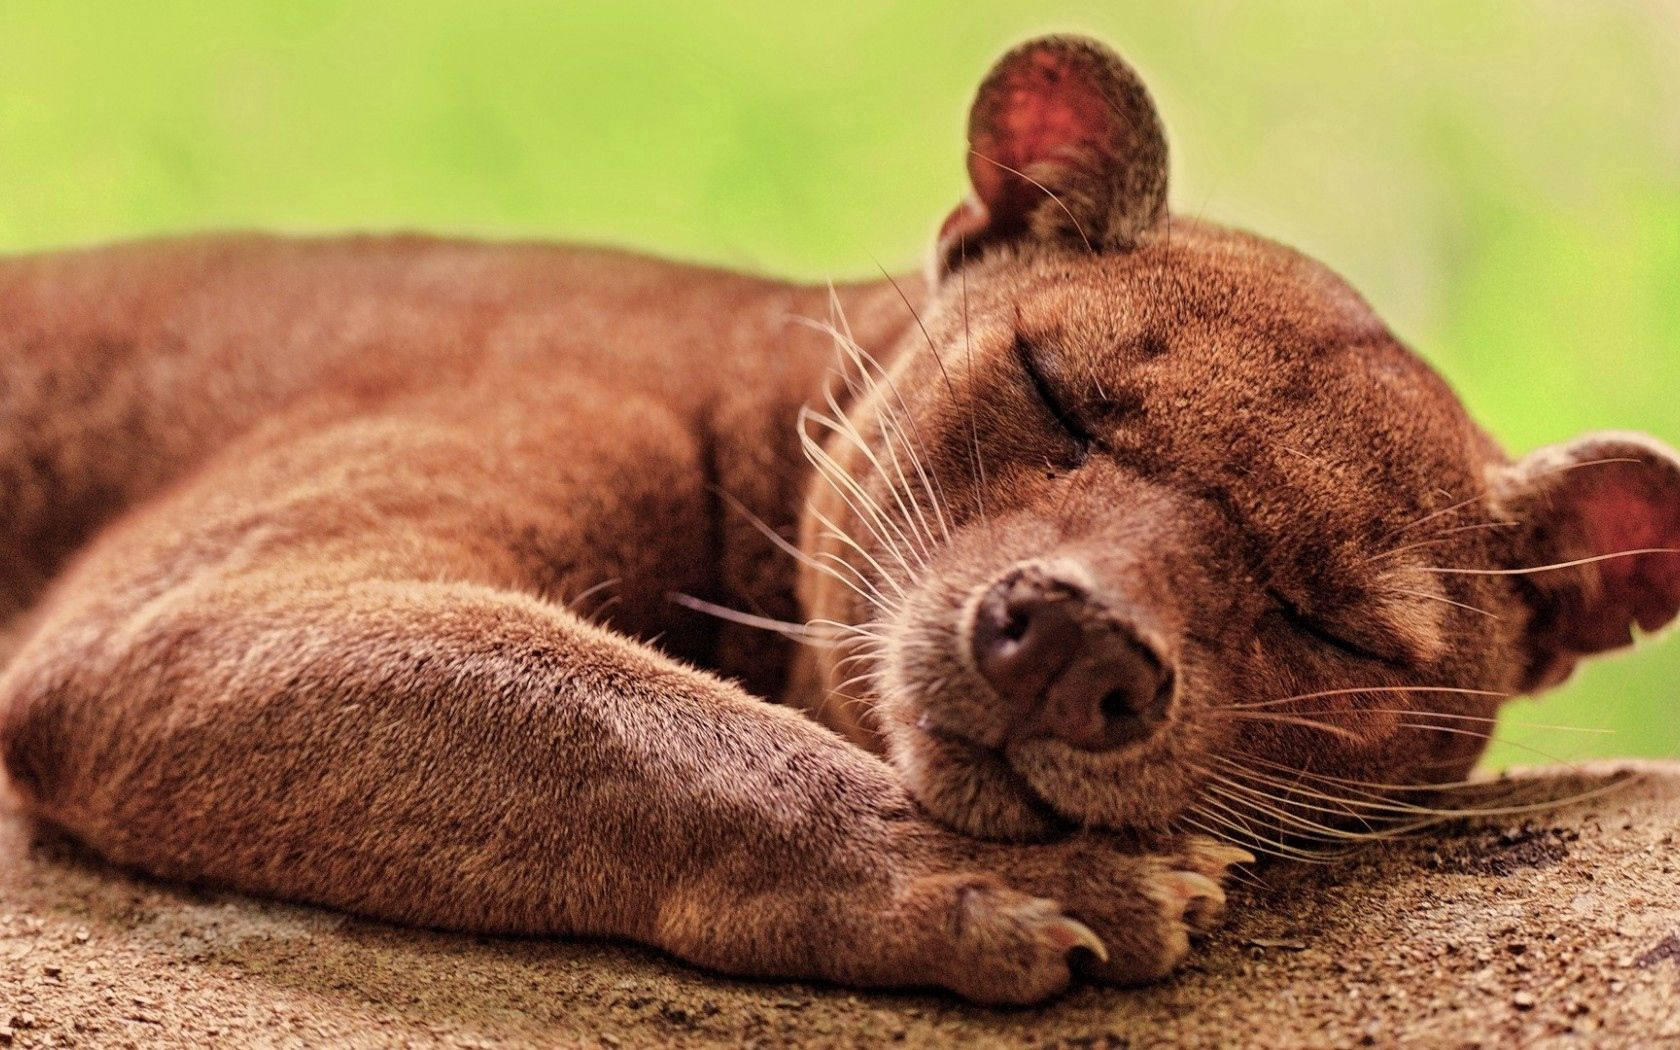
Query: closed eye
1303	623
1065	418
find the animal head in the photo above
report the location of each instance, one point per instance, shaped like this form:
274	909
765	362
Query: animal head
1147	517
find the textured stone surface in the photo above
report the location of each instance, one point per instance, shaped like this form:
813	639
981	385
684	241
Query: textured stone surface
1560	926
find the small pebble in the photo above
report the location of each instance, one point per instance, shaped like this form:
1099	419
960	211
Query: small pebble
1523	1001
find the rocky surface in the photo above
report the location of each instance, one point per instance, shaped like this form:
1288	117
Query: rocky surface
1560	927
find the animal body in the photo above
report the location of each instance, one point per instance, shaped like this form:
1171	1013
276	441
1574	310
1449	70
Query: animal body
429	579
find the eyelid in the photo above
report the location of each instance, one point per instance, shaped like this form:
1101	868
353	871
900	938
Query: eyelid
1315	628
1065	418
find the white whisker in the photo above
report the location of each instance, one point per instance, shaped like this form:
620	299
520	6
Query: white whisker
1446	600
1352	690
797	631
1285	719
1554	565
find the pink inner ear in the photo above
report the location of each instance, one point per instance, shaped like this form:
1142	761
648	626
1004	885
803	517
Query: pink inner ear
1617	517
1043	108
968	219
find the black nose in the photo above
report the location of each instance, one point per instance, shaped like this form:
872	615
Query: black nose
1066	665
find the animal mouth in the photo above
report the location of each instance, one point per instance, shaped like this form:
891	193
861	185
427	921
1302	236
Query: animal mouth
995	765
925	724
994	761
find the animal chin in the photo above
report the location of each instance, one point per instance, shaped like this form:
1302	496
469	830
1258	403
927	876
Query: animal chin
971	787
1027	790
1139	788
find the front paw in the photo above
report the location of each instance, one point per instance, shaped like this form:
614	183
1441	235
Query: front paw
1081	906
1146	909
1185	899
994	944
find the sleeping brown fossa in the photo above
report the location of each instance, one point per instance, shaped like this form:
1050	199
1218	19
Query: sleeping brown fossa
427	579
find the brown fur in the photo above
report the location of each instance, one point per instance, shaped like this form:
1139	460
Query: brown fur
347	568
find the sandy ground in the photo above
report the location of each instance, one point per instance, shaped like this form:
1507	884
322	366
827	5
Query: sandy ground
1562	928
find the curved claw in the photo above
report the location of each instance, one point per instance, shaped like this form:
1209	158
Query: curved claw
1071	933
1188	893
1225	855
1216	855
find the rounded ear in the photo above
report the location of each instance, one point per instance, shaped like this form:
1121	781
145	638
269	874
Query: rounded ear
1606	509
1064	146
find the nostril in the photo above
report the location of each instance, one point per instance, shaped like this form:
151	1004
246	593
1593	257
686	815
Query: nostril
1026	629
1145	694
1116	705
1136	702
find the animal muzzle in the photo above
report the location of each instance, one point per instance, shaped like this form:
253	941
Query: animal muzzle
1068	665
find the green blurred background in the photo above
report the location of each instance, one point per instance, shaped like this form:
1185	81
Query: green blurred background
1502	179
